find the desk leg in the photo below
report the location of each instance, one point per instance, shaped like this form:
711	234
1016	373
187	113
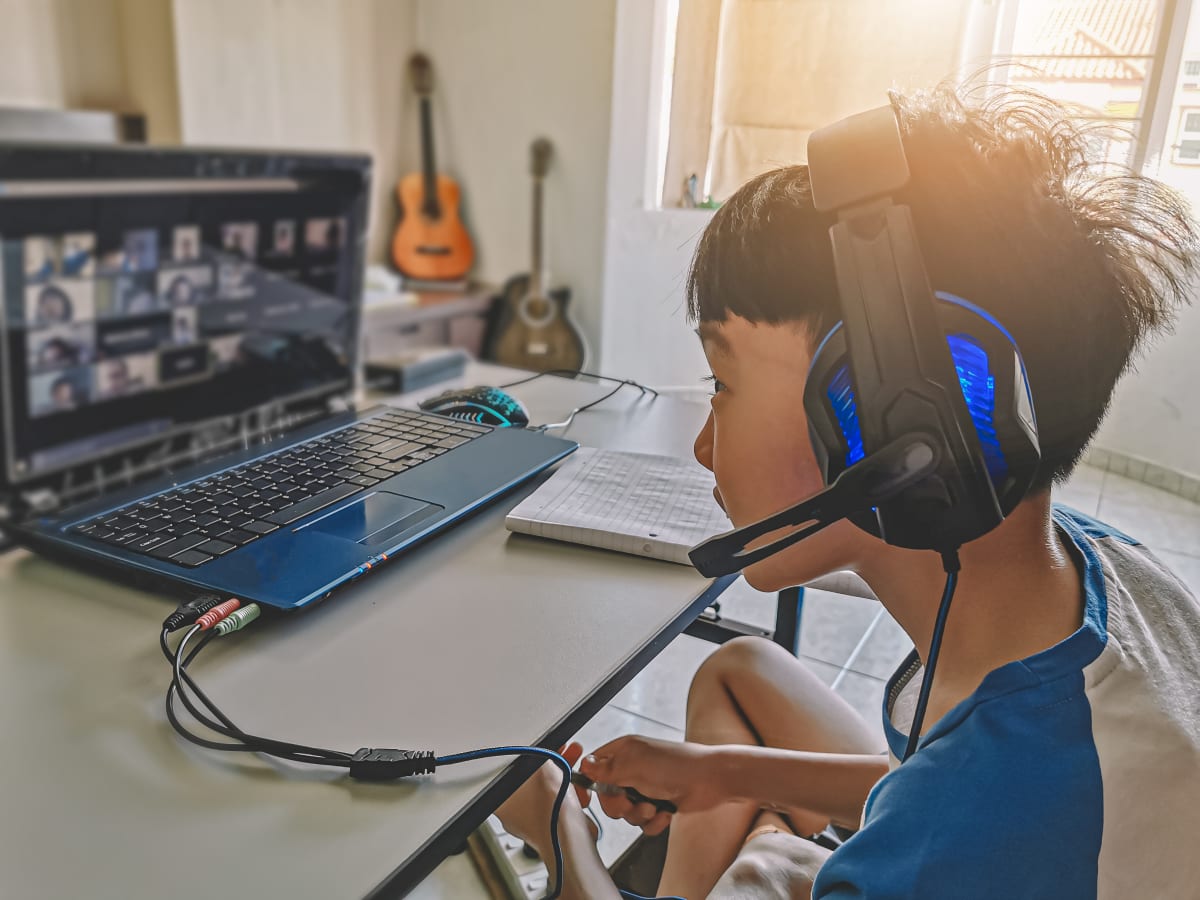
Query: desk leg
789	605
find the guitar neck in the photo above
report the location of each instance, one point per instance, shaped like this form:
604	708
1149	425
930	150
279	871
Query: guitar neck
430	205
537	275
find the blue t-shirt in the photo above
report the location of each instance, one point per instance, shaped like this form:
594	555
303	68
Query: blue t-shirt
1071	774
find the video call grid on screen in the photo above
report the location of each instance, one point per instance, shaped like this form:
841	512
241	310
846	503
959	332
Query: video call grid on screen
119	330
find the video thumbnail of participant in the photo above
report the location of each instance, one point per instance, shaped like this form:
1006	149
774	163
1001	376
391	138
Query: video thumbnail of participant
78	255
184	326
284	237
240	239
60	391
128	295
40	258
61	346
185	243
185	286
126	375
58	302
324	235
225	351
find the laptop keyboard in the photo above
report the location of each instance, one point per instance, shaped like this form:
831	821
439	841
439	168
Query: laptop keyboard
197	523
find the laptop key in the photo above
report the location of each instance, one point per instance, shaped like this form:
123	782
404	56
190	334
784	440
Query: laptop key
367	480
170	548
191	558
216	548
145	543
259	527
318	501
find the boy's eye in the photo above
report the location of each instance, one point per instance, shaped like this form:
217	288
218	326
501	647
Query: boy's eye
717	385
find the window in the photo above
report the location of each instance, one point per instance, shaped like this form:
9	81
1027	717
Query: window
752	79
1187	140
1188	150
1191	68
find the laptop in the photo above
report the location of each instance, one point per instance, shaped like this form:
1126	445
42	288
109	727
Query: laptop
179	331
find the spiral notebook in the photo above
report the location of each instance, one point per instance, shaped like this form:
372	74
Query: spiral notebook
655	506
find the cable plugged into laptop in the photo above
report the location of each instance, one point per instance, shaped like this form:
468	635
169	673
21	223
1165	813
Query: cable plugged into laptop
209	618
187	613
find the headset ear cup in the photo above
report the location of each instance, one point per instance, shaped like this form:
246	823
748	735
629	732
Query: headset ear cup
996	391
832	413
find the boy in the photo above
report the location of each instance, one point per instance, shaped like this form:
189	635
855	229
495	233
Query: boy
1060	753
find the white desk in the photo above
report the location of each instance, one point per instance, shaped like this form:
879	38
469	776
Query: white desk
478	638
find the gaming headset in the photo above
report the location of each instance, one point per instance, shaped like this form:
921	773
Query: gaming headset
918	404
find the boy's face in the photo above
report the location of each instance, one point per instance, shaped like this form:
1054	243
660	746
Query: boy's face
756	443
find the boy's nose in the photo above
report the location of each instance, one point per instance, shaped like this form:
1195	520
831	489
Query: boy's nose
704	444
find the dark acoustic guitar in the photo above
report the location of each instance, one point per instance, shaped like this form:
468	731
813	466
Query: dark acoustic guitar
430	241
533	329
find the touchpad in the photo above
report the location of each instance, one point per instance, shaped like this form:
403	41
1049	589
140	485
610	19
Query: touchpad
376	518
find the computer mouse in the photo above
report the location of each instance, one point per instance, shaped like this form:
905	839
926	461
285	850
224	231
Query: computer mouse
482	405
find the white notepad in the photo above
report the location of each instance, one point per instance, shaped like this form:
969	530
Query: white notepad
656	506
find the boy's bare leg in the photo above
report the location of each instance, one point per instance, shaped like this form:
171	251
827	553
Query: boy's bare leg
752	691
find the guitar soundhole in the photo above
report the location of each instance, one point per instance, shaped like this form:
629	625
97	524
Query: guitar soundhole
536	312
427	250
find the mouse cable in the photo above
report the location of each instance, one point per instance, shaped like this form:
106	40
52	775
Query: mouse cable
566	423
574	372
951	566
366	764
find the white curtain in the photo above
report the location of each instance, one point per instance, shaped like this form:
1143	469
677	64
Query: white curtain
753	78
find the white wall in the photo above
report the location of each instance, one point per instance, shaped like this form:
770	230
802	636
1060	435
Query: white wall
646	335
60	53
313	74
505	73
1155	414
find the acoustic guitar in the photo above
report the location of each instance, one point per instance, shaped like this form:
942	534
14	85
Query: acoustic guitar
430	241
533	329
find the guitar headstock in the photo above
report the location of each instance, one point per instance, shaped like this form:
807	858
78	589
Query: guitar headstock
540	152
420	69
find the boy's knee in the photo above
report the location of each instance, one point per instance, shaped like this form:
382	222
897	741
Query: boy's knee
740	655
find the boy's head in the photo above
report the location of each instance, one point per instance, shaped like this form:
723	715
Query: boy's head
1079	265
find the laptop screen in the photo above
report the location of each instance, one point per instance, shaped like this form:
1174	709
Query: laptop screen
140	307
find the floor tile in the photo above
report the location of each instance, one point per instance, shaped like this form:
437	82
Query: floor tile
865	695
659	691
884	649
831	625
1185	566
1082	490
1119	489
1154	517
456	877
744	603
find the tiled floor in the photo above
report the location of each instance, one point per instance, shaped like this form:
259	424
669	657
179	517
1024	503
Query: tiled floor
849	642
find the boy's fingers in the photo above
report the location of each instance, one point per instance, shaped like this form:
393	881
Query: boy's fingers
641	814
658	824
615	806
572	752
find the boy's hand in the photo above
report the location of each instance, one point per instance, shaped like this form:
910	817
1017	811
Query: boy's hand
665	770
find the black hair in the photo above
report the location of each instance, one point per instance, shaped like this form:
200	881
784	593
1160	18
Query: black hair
1078	261
68	352
51	290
